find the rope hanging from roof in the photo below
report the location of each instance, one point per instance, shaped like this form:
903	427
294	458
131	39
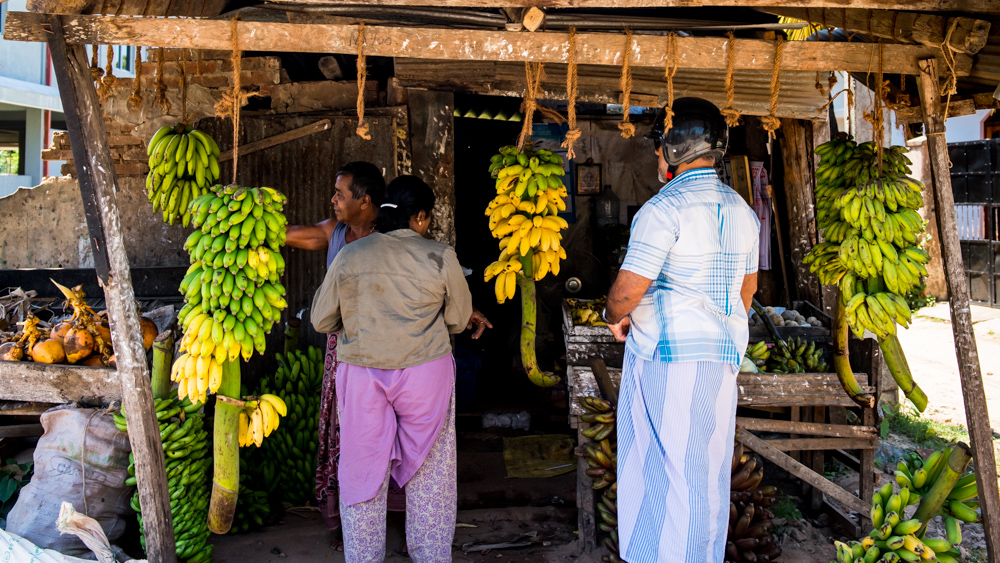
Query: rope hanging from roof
533	75
135	100
235	99
770	121
95	66
626	127
108	82
182	76
731	114
669	72
362	129
160	98
574	132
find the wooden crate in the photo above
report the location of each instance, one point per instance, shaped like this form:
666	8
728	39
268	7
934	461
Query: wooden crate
759	332
584	342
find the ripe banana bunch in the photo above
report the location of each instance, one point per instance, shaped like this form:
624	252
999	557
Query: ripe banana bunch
524	216
799	356
750	536
232	293
260	416
186	448
602	463
587	312
288	462
183	163
865	205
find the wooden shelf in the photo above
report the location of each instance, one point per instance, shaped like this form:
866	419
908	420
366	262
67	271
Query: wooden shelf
56	383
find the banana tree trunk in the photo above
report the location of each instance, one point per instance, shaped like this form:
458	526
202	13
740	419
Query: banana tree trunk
226	481
529	318
841	360
953	468
163	358
895	360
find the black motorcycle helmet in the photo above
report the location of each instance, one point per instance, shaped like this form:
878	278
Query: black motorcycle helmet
698	130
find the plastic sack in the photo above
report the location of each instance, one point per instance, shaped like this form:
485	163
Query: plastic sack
82	459
15	549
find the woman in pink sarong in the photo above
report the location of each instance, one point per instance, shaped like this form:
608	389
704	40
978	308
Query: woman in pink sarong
395	298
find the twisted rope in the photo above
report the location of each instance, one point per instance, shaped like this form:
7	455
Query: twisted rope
671	70
160	87
731	114
574	132
95	66
135	100
771	122
362	129
182	73
627	128
533	75
233	100
108	82
950	84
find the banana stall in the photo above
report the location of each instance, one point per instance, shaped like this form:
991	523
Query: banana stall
197	132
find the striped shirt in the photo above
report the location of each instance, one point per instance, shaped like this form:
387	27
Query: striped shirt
696	239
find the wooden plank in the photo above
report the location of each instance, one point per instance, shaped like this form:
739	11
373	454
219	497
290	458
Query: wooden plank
432	143
866	471
274	140
785	462
19	408
586	519
609	389
90	148
977	416
810	428
819	458
21	430
914	114
814	444
983	6
48	383
801	210
828	399
456	44
969	35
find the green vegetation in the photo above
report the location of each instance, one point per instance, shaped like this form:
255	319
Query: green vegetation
9	160
906	421
13	477
786	509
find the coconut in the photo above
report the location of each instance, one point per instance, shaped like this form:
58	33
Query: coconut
78	344
11	352
59	331
112	362
149	332
48	352
94	361
105	333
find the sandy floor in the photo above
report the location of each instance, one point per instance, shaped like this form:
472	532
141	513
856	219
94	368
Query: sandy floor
930	350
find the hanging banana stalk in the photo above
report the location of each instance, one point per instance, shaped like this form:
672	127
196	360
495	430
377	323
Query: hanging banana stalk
952	469
524	216
895	360
842	362
163	357
226	481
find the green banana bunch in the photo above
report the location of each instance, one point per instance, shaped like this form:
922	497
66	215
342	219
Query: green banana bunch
252	506
188	462
920	476
232	291
798	356
750	536
183	163
287	464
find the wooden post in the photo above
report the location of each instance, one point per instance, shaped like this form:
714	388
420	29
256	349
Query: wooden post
96	174
977	418
801	210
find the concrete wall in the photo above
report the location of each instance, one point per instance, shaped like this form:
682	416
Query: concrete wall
44	227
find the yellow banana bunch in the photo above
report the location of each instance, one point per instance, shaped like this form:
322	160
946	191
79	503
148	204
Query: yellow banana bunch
232	291
183	163
259	417
524	216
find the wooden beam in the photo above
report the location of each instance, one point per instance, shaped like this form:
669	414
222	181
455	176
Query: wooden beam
21	430
465	44
19	408
604	382
981	6
914	114
810	428
799	187
93	156
967	35
275	140
813	444
977	417
47	383
785	462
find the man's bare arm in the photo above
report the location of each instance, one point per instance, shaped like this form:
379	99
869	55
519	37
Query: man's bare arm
625	295
748	289
310	237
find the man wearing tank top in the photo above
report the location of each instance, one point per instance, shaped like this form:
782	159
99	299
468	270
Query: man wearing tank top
359	191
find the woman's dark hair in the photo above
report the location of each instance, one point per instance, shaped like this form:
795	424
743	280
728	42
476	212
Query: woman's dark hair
366	179
410	195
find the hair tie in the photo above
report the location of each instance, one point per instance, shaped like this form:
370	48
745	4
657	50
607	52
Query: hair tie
392	205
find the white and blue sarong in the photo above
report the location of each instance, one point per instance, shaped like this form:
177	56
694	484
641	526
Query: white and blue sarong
676	422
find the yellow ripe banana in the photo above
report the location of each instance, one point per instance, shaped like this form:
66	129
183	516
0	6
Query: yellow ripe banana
244	430
266	415
276	402
515	239
541	201
525	245
510	284
526	206
499	288
214	376
535	238
545	239
525	227
542	269
257	427
182	389
202	381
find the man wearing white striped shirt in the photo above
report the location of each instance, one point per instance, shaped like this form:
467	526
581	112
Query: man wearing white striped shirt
680	303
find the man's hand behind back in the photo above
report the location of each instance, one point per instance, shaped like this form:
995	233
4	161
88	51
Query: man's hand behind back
620	329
